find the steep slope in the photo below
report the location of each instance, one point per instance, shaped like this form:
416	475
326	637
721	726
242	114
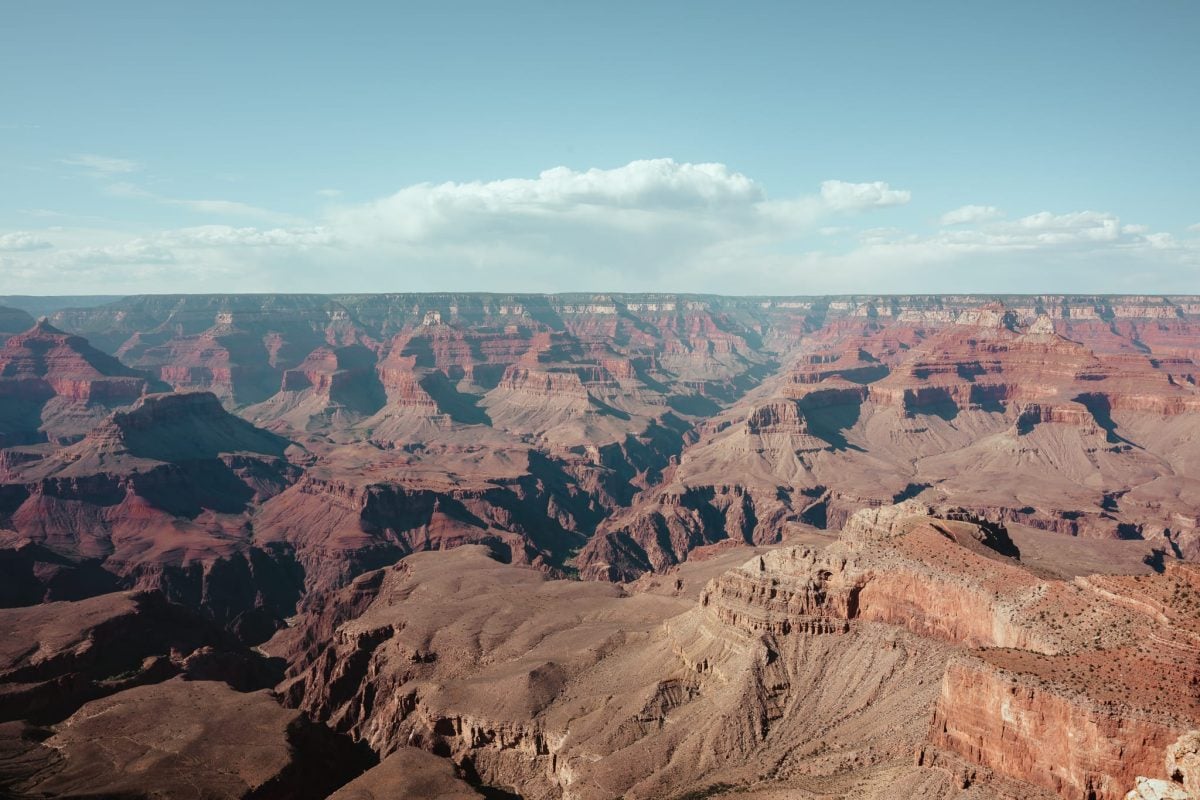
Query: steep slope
186	739
158	497
1014	421
386	493
911	652
55	386
57	656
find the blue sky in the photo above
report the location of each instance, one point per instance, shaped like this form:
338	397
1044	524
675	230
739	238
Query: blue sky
781	148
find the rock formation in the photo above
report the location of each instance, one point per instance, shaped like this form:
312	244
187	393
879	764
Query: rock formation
55	386
970	668
918	546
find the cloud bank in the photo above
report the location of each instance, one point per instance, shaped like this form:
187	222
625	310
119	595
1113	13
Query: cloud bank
648	225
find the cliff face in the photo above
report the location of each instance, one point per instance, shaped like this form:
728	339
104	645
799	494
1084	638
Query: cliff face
885	397
912	647
1089	720
318	455
56	386
607	434
615	694
1074	687
1068	744
991	408
156	497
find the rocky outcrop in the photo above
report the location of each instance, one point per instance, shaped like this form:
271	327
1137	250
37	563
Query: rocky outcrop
593	701
611	436
179	738
155	498
1071	745
1090	718
1047	703
1183	762
55	386
57	656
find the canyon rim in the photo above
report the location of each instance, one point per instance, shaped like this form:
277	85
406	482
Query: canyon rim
598	546
659	400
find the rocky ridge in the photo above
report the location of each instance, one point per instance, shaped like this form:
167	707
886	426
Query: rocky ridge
386	493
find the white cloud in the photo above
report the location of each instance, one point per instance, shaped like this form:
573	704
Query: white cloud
843	196
22	242
1162	241
216	208
641	197
329	193
1195	228
1059	228
134	251
102	166
218	236
966	215
649	225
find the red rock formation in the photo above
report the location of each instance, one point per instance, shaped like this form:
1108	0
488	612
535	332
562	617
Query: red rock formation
616	435
1071	745
56	385
154	496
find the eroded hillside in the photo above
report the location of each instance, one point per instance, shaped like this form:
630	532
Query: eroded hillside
860	546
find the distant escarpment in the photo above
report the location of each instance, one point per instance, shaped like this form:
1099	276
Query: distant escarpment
602	435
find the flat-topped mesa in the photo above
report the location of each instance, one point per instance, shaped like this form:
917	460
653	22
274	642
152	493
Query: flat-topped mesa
833	391
893	565
791	590
1073	413
573	381
460	351
242	353
332	383
781	426
993	316
779	319
882	522
1072	686
852	364
230	365
778	416
181	426
328	370
1086	720
994	365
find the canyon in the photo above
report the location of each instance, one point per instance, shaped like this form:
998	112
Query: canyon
594	546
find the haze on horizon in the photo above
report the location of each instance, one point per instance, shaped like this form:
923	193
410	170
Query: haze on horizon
775	148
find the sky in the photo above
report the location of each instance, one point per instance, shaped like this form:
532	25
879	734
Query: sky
740	148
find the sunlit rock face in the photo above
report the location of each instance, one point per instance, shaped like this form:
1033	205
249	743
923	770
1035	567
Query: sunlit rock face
595	546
